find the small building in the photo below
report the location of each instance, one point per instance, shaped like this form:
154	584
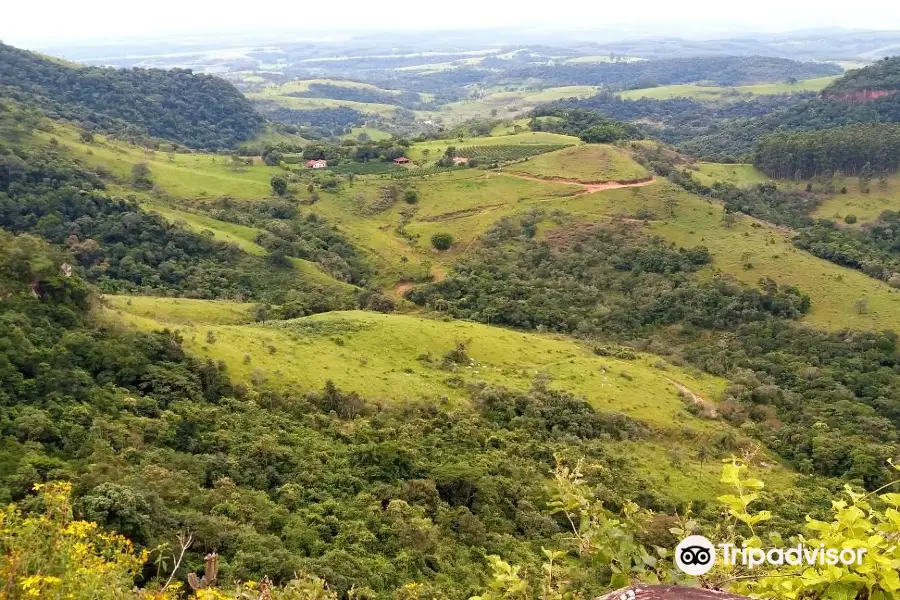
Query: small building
316	164
402	160
65	269
460	160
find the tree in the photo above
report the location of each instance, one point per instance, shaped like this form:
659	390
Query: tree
865	177
261	313
141	177
410	196
442	241
671	202
272	157
279	185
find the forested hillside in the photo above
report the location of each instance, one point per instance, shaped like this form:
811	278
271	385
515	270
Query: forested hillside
882	75
723	70
199	111
729	131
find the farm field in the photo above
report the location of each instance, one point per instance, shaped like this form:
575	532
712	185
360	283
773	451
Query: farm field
834	290
715	93
589	163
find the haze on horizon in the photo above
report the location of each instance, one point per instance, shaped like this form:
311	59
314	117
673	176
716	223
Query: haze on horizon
108	21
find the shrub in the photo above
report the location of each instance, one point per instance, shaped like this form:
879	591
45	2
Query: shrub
442	241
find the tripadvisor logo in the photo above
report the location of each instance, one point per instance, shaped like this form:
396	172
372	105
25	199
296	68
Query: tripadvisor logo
696	555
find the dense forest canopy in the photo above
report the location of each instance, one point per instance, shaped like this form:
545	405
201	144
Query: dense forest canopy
199	111
850	150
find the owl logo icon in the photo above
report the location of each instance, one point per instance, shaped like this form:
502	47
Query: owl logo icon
695	555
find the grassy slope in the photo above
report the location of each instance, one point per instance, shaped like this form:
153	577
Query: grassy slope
244	238
378	356
834	290
464	203
181	311
223	231
590	163
866	207
739	175
374	134
437	147
194	175
715	93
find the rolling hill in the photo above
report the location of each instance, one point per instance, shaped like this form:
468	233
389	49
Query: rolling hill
199	111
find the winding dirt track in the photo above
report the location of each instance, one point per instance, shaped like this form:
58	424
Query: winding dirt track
588	188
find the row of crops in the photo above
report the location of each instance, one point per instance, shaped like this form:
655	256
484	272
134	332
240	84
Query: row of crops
422	171
505	153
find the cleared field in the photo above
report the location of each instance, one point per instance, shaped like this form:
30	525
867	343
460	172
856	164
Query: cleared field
687	90
865	207
506	104
281	95
751	250
294	103
589	163
739	175
374	134
434	149
302	85
805	85
715	93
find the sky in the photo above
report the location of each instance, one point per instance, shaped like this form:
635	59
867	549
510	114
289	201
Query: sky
45	23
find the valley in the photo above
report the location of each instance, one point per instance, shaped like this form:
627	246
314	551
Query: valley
376	324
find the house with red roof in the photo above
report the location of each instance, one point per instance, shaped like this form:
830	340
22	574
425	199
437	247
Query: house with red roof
316	164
